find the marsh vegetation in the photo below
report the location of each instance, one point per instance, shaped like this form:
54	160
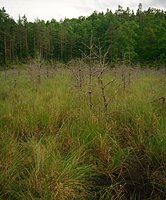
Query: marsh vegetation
83	107
57	143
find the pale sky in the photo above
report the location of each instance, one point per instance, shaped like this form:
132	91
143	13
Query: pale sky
59	9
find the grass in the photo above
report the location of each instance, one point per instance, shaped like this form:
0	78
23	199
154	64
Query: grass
52	146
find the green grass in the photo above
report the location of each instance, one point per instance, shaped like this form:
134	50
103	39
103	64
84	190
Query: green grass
52	146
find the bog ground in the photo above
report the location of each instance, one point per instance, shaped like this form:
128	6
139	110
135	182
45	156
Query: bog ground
67	135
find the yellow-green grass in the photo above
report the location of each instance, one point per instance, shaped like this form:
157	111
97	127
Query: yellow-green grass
53	146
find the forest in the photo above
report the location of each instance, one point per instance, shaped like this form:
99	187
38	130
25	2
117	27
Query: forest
138	37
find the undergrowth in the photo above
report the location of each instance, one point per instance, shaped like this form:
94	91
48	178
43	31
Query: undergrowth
52	146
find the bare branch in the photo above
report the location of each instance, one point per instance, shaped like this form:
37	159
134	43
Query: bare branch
108	83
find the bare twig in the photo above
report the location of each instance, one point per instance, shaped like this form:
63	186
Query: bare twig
100	77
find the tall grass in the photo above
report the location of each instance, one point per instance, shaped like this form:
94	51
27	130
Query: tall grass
52	146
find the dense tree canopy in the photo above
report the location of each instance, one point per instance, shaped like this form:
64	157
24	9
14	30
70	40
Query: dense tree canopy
138	37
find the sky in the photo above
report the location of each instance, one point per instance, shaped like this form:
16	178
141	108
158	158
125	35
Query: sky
59	9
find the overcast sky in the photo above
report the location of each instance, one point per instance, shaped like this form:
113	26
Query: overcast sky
59	9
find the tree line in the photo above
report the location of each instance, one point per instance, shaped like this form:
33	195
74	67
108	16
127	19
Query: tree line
132	36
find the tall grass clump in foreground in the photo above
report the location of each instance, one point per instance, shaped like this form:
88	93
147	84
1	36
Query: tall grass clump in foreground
53	146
